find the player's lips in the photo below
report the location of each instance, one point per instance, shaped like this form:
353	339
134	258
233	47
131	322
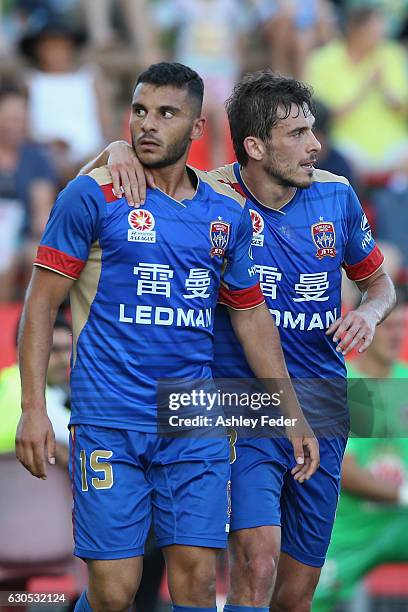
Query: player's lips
148	142
309	165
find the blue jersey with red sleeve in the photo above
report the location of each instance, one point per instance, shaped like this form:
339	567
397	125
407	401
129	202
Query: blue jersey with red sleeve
299	252
146	285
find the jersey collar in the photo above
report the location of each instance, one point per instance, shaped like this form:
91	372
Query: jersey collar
182	204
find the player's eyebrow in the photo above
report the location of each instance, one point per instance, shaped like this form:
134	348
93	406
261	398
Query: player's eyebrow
138	105
161	109
172	109
301	128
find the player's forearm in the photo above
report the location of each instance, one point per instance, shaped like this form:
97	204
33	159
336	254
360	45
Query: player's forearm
378	297
260	340
35	340
103	157
361	483
96	162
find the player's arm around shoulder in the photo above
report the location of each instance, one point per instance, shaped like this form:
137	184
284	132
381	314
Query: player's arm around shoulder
129	177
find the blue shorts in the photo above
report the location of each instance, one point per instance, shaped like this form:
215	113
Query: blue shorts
121	479
264	493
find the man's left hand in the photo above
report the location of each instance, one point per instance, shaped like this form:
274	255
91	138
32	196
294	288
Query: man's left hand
355	330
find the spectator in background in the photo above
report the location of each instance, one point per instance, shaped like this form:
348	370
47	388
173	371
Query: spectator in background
292	28
136	19
395	13
68	105
391	215
15	15
27	189
371	520
210	37
362	78
57	394
329	158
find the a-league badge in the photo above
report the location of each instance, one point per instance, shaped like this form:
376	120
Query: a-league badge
219	236
324	237
257	228
142	223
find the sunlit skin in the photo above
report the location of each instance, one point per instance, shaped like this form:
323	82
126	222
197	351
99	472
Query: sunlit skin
285	162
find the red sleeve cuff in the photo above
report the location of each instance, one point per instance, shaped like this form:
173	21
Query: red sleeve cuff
58	261
365	268
241	299
107	191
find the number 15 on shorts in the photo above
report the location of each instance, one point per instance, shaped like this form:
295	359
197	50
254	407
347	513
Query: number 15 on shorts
97	465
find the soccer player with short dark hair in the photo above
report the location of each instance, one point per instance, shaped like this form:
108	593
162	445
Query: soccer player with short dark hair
307	225
144	286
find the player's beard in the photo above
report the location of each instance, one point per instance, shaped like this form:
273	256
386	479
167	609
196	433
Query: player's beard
172	154
283	174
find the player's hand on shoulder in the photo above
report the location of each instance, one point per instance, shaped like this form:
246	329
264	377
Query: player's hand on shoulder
129	177
35	442
305	450
355	330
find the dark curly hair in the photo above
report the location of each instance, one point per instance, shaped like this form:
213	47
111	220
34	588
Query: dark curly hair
255	101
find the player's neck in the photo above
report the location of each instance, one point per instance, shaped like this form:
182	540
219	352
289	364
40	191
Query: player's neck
371	367
175	181
265	189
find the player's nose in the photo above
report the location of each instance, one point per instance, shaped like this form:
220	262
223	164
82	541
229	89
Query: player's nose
149	124
313	144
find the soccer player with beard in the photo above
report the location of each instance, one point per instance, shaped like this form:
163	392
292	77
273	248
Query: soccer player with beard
307	225
144	286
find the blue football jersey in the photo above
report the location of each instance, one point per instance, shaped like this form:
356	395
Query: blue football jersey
146	285
299	252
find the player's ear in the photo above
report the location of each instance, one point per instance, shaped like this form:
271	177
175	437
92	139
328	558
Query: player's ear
255	148
198	128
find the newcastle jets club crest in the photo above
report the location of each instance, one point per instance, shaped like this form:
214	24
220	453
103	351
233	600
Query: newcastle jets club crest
219	236
324	237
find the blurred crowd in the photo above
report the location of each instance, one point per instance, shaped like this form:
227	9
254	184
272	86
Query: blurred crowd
67	68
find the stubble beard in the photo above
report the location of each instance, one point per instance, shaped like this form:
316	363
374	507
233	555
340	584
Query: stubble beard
171	156
281	175
274	170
